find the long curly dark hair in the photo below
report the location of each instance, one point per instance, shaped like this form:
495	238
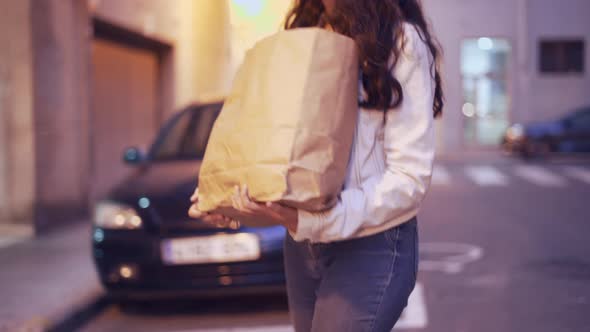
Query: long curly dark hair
376	26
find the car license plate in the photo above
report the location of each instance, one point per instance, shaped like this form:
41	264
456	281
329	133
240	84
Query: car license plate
221	248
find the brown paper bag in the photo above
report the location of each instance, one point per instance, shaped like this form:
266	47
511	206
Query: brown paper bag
287	126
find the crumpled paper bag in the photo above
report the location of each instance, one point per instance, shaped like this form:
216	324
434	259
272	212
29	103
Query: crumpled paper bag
287	126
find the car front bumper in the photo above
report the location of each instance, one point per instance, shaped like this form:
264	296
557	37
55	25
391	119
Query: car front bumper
514	145
130	265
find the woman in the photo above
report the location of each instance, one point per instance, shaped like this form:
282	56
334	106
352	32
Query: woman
353	267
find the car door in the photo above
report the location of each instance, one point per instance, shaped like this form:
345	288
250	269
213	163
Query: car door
578	131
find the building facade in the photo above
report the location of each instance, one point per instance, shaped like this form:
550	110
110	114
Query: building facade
493	54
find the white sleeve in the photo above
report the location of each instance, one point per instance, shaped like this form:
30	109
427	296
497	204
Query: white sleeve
409	155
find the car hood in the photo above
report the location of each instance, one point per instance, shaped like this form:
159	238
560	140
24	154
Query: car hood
167	185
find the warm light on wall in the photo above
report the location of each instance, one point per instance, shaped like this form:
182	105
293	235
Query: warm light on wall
248	8
252	20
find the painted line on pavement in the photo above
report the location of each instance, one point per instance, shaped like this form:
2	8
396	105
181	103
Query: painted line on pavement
486	176
578	173
271	328
8	241
414	317
13	234
539	176
448	257
440	176
78	317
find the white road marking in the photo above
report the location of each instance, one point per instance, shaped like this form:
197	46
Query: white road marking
448	257
12	234
486	176
539	176
415	315
271	328
440	176
578	173
8	241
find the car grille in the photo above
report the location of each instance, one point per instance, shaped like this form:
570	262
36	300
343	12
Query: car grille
181	227
215	270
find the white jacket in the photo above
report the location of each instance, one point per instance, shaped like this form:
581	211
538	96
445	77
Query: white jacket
392	159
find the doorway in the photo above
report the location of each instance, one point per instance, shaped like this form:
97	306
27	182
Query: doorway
486	90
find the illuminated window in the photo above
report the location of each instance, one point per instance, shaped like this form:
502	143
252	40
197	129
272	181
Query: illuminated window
561	56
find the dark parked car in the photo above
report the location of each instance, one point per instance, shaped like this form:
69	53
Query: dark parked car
570	134
145	244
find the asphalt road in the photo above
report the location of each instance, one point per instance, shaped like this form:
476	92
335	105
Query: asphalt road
505	246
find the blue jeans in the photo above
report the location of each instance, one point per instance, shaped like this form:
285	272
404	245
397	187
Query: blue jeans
355	285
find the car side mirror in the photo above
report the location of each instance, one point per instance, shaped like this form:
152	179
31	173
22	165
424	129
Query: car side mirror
134	156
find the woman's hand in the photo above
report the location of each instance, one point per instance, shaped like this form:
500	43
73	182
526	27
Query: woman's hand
215	219
272	213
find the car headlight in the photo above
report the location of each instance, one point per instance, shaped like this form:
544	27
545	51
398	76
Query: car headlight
111	215
515	132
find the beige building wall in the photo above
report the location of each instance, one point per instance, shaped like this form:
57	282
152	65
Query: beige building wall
552	95
60	36
249	24
17	160
210	51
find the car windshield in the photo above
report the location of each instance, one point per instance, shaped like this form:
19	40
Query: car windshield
186	136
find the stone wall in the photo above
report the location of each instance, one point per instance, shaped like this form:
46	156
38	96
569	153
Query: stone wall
60	30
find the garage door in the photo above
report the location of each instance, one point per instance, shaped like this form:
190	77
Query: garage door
124	92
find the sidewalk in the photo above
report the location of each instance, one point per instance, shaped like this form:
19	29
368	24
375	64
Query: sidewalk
45	279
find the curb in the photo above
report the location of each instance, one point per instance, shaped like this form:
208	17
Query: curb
80	316
72	320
